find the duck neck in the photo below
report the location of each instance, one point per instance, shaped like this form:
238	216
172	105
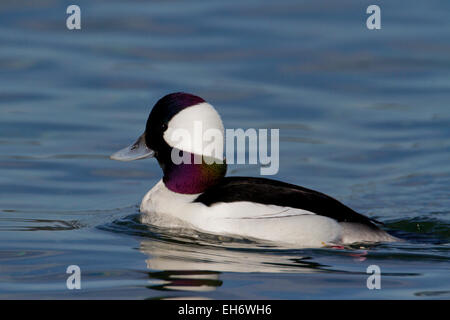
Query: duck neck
194	176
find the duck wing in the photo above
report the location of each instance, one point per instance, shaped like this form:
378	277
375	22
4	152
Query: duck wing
273	192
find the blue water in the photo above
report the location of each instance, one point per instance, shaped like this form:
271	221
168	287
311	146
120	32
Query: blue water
363	116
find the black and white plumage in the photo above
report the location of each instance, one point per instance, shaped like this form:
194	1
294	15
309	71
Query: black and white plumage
273	192
199	196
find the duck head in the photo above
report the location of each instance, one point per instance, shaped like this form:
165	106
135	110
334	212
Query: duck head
186	135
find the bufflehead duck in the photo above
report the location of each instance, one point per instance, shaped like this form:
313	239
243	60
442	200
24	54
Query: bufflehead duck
197	195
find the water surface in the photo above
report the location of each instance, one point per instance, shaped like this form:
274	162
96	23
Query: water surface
363	116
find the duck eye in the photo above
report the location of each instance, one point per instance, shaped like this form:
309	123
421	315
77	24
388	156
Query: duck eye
164	127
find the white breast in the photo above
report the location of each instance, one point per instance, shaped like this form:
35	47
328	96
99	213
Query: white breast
285	225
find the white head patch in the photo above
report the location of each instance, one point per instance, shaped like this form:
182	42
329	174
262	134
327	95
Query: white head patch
197	129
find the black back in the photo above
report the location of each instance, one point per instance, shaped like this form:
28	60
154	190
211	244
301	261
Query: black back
272	192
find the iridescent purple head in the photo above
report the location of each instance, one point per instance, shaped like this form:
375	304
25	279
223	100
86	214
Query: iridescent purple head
176	126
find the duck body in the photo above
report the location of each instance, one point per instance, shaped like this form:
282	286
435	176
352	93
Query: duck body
199	196
241	217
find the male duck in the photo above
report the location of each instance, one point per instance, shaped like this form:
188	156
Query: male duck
197	194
